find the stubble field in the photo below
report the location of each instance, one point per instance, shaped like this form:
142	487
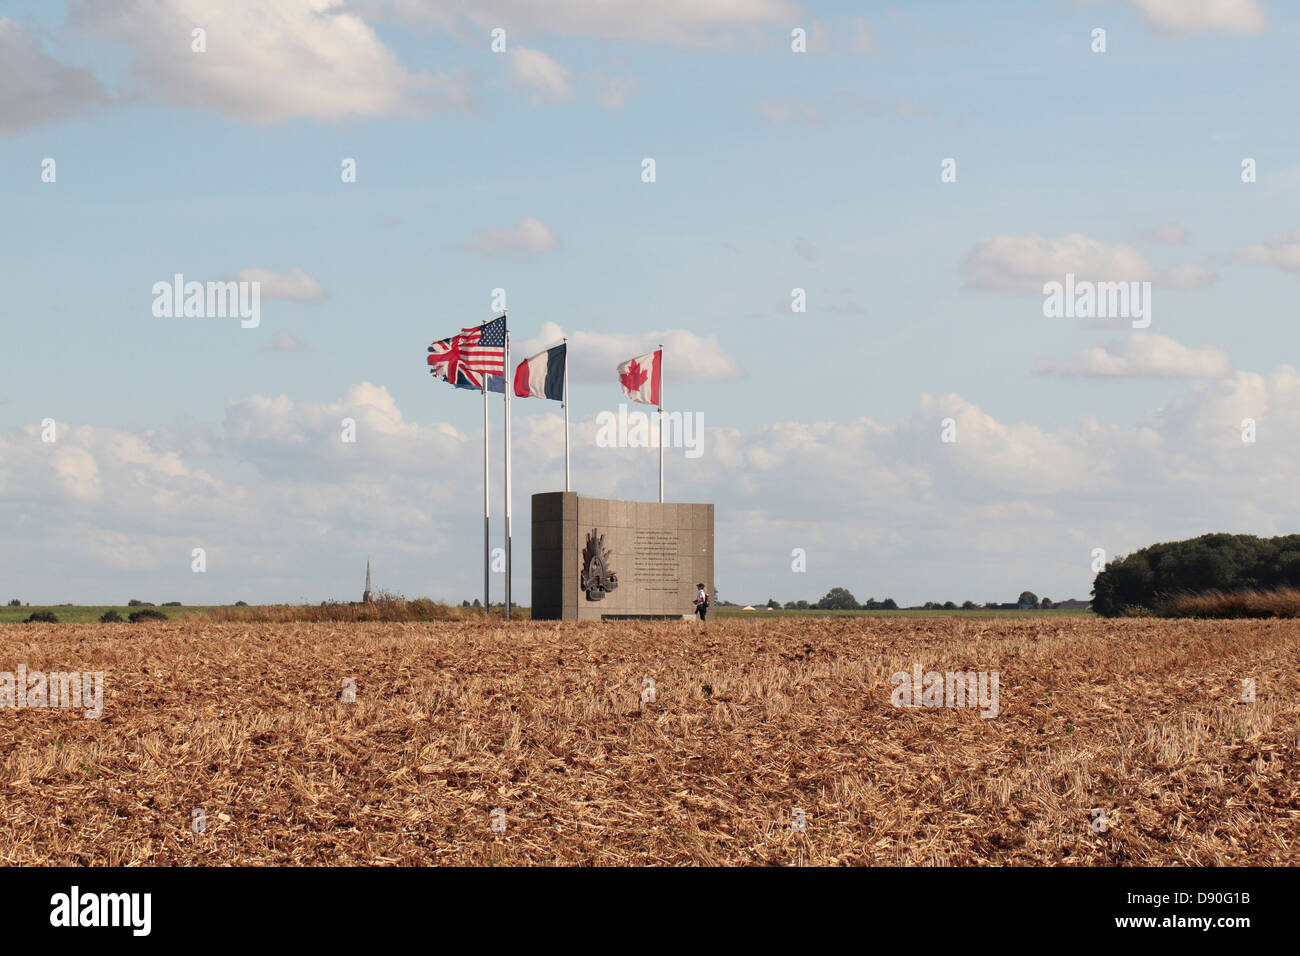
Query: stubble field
751	720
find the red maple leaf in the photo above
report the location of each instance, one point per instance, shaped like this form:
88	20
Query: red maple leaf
633	378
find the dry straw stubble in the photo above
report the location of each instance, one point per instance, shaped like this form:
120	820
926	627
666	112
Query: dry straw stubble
751	719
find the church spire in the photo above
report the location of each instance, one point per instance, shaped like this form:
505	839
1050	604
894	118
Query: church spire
368	598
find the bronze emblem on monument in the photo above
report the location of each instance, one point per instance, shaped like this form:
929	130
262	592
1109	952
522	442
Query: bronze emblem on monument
598	577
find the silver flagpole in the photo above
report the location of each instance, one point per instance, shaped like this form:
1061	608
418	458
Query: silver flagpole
661	423
487	543
566	415
506	390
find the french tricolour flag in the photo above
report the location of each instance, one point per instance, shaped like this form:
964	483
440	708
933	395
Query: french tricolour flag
542	376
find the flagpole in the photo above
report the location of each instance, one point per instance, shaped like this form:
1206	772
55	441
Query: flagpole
566	414
506	388
661	423
487	543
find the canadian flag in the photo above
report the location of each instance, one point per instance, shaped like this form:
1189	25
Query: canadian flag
640	377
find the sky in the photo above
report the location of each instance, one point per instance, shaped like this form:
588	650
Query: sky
919	171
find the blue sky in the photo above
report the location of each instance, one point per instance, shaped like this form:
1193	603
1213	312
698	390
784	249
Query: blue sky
775	170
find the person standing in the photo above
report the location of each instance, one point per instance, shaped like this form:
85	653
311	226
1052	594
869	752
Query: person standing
701	602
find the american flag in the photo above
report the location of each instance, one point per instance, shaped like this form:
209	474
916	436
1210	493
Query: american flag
463	360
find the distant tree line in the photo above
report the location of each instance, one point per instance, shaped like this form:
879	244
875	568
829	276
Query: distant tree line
842	599
1152	577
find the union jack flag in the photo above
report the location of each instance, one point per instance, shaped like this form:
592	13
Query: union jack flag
464	360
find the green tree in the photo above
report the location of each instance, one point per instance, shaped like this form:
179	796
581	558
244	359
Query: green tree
838	599
1028	599
1147	578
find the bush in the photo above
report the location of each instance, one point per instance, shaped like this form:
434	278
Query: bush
241	604
110	617
386	608
171	604
1151	578
41	617
15	603
148	614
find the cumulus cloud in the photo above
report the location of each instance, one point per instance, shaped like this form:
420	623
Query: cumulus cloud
1282	252
287	510
522	242
1198	16
687	22
296	284
539	73
265	64
1025	263
1142	355
36	89
593	356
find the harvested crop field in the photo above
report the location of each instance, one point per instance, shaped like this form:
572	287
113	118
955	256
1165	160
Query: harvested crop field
751	720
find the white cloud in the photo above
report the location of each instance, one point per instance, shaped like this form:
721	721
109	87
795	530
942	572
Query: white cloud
594	356
265	64
1025	263
1282	252
1143	355
522	242
541	74
296	284
1196	16
673	21
36	89
76	474
287	510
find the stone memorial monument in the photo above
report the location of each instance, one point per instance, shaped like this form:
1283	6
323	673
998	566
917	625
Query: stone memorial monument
600	559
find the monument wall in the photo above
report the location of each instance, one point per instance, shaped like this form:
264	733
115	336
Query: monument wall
596	558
